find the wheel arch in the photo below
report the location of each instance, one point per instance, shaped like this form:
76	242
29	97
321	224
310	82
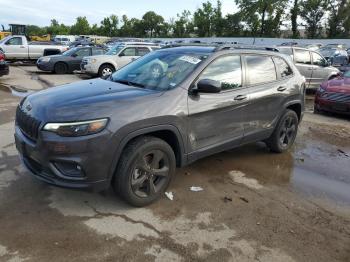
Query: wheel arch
107	63
168	133
297	108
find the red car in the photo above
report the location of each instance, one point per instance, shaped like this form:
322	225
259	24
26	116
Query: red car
334	95
4	68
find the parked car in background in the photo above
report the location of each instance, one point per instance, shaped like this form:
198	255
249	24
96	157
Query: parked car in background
115	58
131	130
334	95
18	48
311	64
340	46
313	47
64	39
4	67
335	56
289	44
69	61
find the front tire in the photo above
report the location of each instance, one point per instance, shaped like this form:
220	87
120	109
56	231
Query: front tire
144	171
285	132
60	68
106	70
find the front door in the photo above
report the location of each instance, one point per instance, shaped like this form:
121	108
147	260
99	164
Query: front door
218	119
14	48
126	56
78	57
302	60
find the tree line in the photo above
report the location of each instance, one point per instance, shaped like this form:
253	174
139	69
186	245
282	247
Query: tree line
254	18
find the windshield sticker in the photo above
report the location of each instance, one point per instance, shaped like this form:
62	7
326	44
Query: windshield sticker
190	59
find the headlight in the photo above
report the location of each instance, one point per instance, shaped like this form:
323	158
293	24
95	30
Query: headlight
45	59
77	128
321	90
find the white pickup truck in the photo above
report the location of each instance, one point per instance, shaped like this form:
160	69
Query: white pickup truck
17	47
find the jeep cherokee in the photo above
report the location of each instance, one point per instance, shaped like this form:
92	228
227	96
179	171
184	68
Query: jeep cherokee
162	111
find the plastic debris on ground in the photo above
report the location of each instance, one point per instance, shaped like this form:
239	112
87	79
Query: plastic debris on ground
170	195
196	188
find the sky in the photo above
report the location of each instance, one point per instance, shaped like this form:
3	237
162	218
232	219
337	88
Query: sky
40	12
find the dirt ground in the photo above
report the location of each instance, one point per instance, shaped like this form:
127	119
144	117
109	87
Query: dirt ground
255	205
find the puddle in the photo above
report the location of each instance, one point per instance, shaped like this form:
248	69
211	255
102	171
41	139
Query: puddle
15	91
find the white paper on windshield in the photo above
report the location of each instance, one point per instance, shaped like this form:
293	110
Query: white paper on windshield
190	59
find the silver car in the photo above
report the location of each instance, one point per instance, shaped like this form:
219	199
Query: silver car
311	64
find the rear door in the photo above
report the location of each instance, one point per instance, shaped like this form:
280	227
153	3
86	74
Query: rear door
320	70
218	119
14	48
302	60
267	89
126	56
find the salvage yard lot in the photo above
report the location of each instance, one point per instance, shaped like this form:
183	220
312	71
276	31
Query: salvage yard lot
255	205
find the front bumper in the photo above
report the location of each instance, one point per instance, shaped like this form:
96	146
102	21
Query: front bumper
43	158
88	69
332	106
4	69
45	66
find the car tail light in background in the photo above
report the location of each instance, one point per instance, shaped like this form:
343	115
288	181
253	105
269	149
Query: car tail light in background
2	57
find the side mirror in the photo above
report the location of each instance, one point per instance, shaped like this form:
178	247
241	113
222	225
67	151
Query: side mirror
121	54
208	86
74	55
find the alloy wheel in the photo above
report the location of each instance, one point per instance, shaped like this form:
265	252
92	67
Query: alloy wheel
288	131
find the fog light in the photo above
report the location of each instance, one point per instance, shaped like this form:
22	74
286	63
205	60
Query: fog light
70	169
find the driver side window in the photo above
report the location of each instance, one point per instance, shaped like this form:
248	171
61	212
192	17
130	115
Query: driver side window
15	41
227	70
130	51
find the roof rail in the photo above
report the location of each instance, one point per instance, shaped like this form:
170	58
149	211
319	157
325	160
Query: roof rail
251	47
188	44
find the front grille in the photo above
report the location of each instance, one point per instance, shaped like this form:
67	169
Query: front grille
337	97
28	124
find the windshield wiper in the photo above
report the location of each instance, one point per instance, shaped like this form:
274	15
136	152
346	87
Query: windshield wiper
129	83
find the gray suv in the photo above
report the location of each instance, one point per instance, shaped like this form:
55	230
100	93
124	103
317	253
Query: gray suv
311	64
162	111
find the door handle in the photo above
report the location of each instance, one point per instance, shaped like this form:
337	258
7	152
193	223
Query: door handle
22	46
281	88
240	97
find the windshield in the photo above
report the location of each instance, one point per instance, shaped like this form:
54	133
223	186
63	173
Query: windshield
70	51
114	50
159	70
328	52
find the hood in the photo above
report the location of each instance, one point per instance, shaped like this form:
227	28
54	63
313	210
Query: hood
84	100
339	84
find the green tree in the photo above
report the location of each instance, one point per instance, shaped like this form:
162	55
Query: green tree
312	12
294	13
203	19
81	26
183	25
109	26
36	30
266	13
152	23
339	12
233	25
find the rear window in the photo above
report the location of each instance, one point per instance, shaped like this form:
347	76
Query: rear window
283	69
302	56
261	69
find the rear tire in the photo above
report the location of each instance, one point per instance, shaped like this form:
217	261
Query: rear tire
144	171
60	68
106	70
285	132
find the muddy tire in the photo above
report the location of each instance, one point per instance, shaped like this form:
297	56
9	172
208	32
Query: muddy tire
285	132
144	171
60	68
106	70
316	110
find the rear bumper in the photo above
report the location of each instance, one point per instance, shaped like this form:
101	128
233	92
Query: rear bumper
4	69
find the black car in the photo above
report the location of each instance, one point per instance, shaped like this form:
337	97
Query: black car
4	68
69	60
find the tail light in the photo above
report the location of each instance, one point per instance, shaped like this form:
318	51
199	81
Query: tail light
2	57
